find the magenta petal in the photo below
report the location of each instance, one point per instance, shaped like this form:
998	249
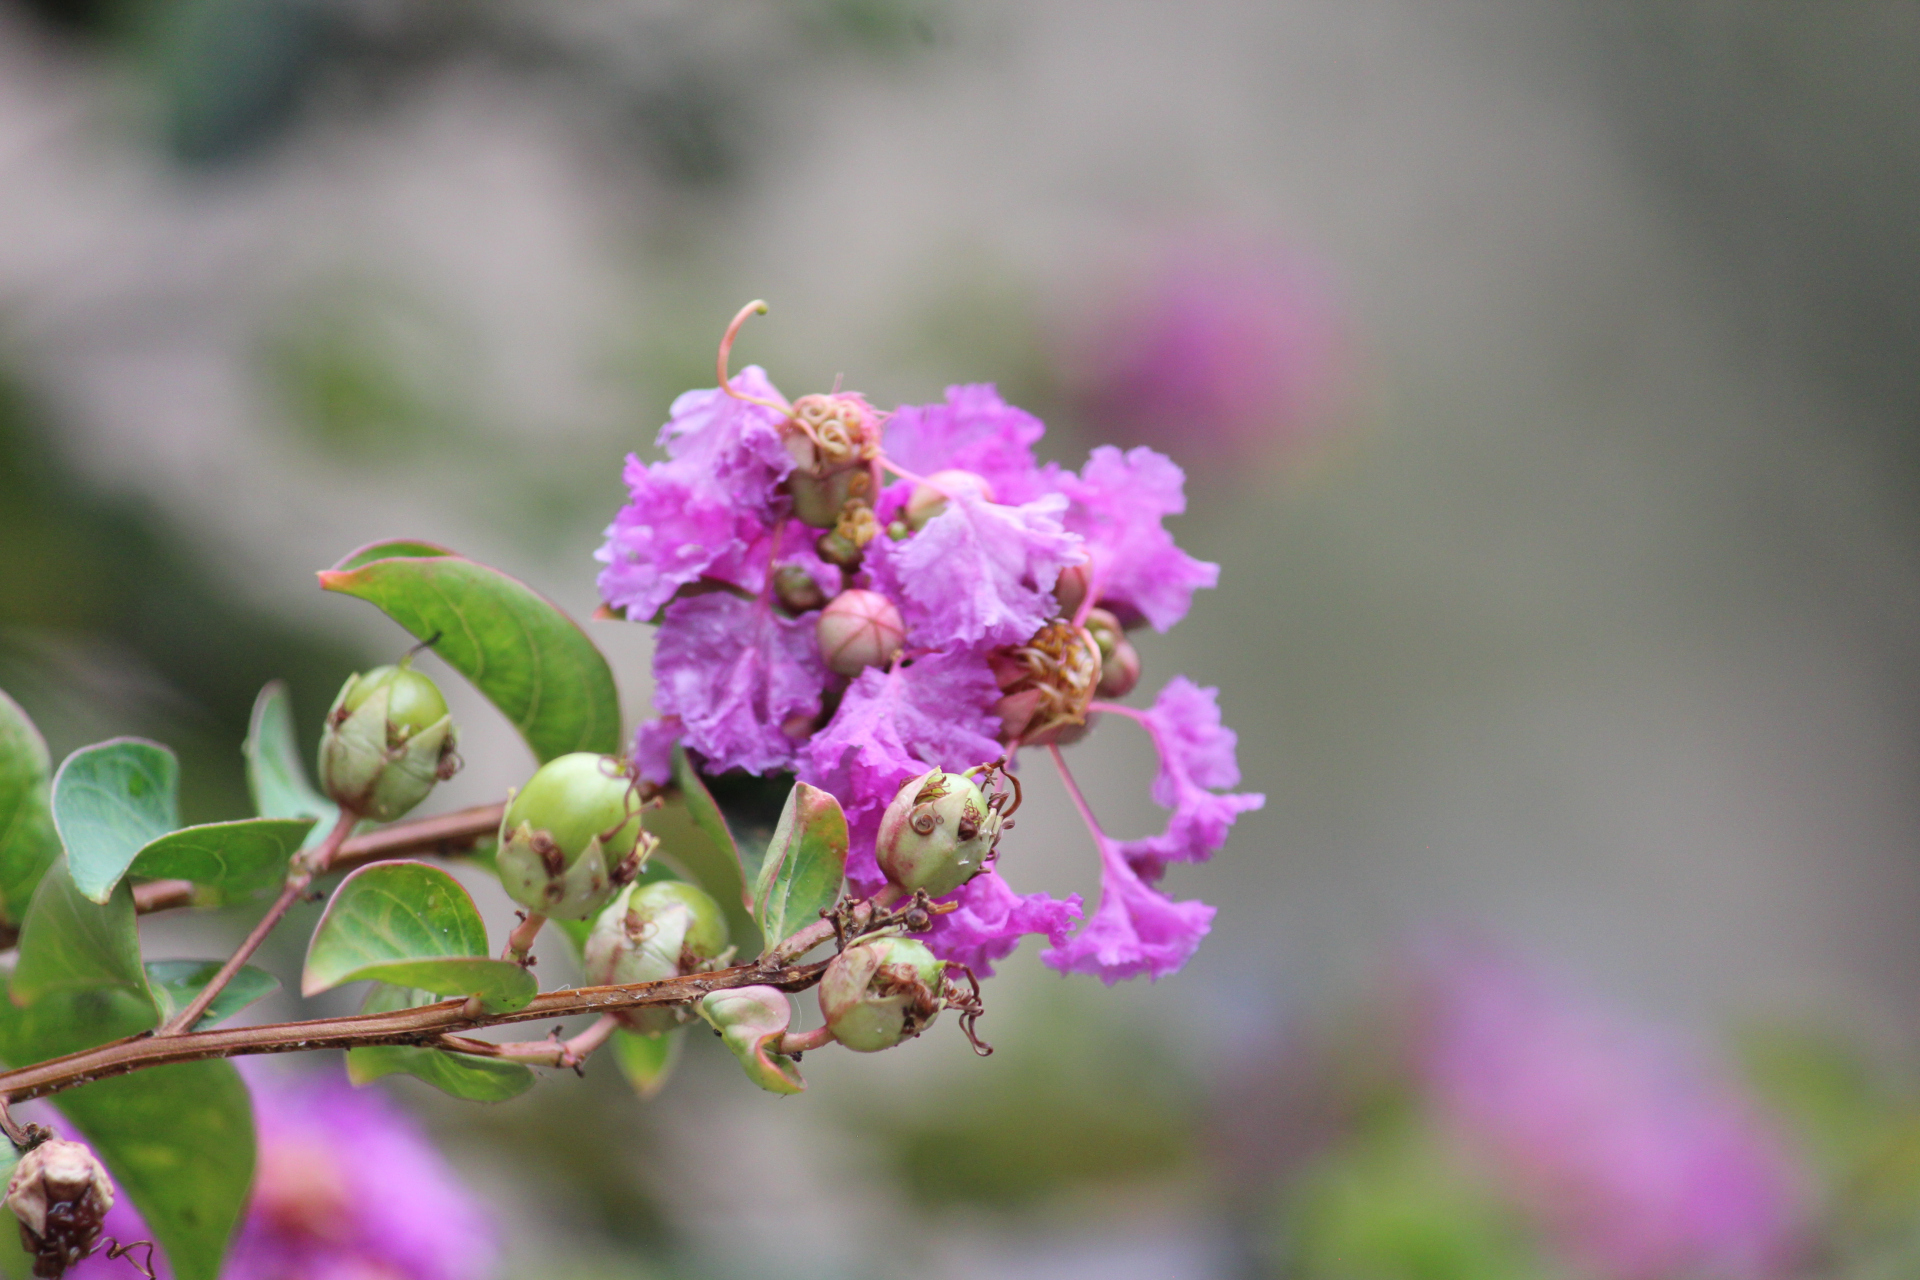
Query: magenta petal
974	430
1196	752
1135	930
738	675
1118	502
992	919
700	512
653	744
979	574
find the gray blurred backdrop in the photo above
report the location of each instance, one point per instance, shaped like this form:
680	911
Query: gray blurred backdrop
1582	616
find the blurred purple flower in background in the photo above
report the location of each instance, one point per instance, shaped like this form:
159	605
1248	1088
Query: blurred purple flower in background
1638	1158
1229	348
346	1188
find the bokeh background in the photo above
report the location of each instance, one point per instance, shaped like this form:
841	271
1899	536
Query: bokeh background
1547	375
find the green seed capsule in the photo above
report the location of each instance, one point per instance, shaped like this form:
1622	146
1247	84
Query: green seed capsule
876	994
566	836
388	740
650	932
938	833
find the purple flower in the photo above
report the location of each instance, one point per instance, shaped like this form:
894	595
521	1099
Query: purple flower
975	430
744	680
346	1188
893	725
1642	1161
1196	754
653	744
980	573
1229	349
699	512
1136	929
1118	501
993	918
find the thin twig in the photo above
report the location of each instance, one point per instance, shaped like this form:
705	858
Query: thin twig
299	876
425	1025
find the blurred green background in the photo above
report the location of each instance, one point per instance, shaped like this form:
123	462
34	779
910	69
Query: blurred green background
1569	573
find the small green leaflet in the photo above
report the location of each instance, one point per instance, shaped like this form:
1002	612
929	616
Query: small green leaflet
530	659
232	858
412	925
276	775
175	983
647	1061
109	800
28	843
805	862
69	942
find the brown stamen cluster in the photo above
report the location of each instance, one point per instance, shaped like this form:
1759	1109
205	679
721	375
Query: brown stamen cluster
1048	683
842	429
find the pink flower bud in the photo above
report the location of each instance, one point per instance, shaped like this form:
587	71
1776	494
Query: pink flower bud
860	629
930	499
1119	660
1071	587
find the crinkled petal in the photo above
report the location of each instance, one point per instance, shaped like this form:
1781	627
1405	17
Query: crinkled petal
893	725
974	430
1196	752
701	512
992	919
735	672
1135	930
979	574
1117	504
653	744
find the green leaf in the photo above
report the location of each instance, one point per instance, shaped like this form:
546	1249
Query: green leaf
805	862
531	660
28	843
69	942
413	925
276	775
462	1075
232	858
647	1061
175	983
110	800
714	859
178	1139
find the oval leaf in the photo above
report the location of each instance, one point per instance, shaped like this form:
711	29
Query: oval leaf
647	1061
109	801
805	862
28	844
413	925
178	1139
175	983
531	660
276	775
232	858
68	942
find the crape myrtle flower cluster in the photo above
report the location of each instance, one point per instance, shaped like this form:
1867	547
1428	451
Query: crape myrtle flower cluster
890	605
346	1188
1639	1159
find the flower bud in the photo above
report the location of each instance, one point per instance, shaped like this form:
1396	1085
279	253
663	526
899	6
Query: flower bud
837	549
388	740
570	835
654	931
60	1193
796	590
938	833
930	499
751	1021
877	993
859	629
1119	660
1071	587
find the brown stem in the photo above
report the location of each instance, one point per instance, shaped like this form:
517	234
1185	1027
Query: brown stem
551	1052
299	875
425	1025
